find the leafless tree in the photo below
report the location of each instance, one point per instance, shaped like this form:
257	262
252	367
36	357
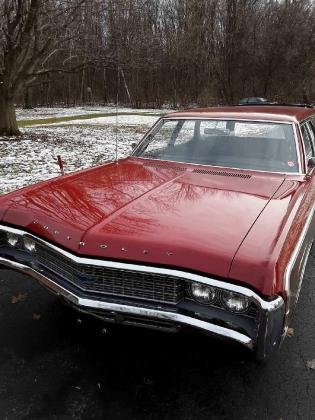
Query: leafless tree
153	52
32	32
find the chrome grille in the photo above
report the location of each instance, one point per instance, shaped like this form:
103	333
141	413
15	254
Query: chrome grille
3	241
113	281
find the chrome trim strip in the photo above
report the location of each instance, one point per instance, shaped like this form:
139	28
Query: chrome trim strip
304	259
151	313
295	255
273	121
297	147
299	130
155	125
264	304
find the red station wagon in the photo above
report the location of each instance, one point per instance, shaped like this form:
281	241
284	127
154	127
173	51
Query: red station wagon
208	224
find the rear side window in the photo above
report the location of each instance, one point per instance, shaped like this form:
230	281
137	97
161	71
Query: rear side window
307	140
312	134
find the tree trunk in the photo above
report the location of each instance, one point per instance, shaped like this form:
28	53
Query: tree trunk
27	99
8	123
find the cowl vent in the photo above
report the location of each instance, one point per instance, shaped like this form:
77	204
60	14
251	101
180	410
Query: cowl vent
222	173
162	166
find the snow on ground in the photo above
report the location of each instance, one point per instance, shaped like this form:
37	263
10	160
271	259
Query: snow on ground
82	144
38	113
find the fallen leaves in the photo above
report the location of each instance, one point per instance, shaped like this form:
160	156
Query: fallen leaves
290	332
19	298
311	364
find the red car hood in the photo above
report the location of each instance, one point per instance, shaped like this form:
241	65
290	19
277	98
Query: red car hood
138	210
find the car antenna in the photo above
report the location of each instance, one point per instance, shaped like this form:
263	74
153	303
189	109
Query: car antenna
116	128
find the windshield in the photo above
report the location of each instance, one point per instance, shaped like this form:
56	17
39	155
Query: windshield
236	144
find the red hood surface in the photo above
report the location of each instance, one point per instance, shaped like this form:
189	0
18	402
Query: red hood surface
139	210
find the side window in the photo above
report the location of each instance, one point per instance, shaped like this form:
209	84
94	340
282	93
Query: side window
307	140
312	134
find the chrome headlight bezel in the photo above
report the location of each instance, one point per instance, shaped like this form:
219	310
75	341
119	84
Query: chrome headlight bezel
220	298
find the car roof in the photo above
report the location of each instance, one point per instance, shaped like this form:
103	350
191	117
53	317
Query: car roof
249	112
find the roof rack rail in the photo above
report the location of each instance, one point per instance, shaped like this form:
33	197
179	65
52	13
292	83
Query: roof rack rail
279	104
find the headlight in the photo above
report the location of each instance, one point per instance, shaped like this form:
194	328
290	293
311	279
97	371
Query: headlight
234	301
29	244
12	239
202	293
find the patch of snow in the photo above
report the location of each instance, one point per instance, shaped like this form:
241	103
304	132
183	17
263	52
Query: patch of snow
311	364
34	157
40	113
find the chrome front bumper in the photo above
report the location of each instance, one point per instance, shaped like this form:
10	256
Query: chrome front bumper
269	329
85	303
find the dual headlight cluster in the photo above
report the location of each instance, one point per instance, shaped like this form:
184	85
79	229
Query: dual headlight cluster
16	241
209	295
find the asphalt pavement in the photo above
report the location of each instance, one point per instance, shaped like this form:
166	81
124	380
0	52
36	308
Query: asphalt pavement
56	365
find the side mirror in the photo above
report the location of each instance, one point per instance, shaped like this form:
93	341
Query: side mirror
311	163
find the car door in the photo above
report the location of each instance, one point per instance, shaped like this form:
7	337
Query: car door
304	243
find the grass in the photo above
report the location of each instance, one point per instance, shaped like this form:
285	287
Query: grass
53	120
138	129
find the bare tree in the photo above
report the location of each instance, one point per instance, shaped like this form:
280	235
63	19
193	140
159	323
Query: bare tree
178	52
32	32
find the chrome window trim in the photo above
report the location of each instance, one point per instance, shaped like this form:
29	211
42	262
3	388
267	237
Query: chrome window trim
306	157
264	304
160	120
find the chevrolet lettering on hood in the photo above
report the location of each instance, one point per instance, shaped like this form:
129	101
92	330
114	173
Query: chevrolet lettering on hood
208	225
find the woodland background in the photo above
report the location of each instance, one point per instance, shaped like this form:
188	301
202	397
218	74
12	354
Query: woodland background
151	53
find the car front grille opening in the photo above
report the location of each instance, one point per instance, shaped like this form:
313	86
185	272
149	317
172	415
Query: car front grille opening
119	283
134	320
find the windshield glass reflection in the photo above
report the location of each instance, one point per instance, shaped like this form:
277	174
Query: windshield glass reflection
236	144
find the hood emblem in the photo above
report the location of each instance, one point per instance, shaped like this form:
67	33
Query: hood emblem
81	244
103	246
